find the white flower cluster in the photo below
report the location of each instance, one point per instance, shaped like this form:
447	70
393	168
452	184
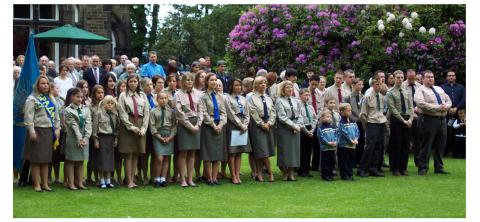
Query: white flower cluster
380	25
406	22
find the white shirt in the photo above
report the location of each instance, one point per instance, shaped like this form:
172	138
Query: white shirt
63	85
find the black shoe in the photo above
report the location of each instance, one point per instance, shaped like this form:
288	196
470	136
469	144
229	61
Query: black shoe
376	173
441	172
22	183
362	174
216	182
422	172
110	185
210	183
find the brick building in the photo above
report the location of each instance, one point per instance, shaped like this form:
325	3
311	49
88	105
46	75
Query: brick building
110	21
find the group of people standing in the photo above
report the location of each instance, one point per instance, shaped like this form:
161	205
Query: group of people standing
122	118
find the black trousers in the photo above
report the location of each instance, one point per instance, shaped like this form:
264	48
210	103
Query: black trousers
450	144
373	151
433	132
25	174
328	163
306	147
415	141
399	145
346	160
460	147
361	144
316	157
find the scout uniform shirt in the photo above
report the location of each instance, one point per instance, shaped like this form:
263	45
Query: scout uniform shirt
397	108
126	108
373	105
289	112
184	109
316	100
73	122
35	115
333	92
257	111
208	114
159	121
412	89
236	107
103	123
355	101
308	115
428	101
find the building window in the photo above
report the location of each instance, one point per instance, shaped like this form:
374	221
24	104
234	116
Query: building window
23	12
48	12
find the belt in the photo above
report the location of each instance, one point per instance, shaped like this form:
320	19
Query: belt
131	114
432	117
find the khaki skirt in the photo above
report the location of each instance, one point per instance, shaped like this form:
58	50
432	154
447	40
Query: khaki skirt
41	150
106	153
236	149
128	141
212	144
288	147
160	148
186	139
262	141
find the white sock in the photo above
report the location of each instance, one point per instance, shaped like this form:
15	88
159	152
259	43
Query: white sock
162	179
107	181
102	181
158	179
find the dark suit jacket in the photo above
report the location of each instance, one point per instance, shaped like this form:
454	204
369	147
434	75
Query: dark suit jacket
90	78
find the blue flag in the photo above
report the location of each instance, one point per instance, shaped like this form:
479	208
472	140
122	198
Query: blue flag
24	88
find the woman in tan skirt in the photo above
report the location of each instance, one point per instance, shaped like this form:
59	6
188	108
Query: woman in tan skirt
42	122
262	120
189	115
133	110
213	135
238	119
290	123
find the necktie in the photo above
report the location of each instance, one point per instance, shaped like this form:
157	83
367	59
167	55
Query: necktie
357	99
291	107
112	125
162	116
80	118
378	102
216	112
413	94
334	121
308	114
96	74
150	101
439	100
265	108
340	99
240	106
135	109
314	101
402	100
192	105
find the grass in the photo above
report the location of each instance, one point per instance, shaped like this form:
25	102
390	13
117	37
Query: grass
391	197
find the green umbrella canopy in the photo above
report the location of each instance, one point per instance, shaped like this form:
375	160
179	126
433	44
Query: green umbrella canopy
71	35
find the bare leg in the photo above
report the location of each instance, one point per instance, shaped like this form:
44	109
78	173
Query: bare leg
165	167
253	165
190	163
231	166
266	161
44	176
259	168
238	164
158	166
35	170
208	170
198	163
69	168
224	169
182	162
215	170
134	164
79	174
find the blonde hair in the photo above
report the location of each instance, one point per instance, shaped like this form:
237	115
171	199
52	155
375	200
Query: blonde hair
343	106
258	80
304	90
281	88
186	76
247	82
108	99
325	112
397	72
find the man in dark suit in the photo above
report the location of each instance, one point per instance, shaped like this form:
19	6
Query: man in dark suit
95	74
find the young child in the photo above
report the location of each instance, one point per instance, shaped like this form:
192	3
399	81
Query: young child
104	135
57	156
308	140
330	107
163	128
327	135
347	140
459	127
79	129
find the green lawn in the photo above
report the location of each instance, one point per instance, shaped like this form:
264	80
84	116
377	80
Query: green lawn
412	196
